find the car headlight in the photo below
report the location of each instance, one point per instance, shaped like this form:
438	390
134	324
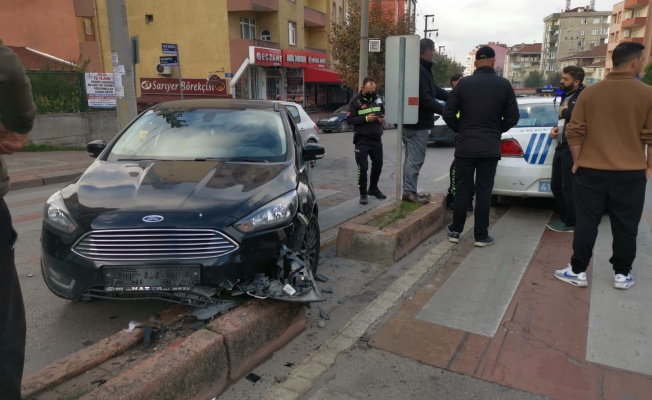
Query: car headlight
277	212
56	214
332	119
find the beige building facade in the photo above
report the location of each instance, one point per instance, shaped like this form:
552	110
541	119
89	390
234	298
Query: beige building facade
631	21
520	61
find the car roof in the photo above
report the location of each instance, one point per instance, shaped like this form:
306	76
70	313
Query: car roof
229	104
532	100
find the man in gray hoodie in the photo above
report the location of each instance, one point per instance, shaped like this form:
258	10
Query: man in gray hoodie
17	113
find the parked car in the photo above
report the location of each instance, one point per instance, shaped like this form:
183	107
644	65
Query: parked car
335	121
192	196
527	151
308	129
441	133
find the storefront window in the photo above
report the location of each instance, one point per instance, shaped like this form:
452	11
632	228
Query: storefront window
274	84
295	85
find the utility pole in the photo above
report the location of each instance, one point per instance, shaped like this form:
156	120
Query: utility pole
426	31
122	55
364	41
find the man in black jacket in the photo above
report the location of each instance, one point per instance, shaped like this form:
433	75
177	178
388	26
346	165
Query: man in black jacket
561	181
487	107
367	116
415	136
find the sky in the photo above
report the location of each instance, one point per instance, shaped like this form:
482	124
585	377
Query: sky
464	24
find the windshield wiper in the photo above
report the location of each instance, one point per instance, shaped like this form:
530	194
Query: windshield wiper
231	159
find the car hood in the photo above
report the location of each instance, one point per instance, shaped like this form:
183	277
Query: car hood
227	189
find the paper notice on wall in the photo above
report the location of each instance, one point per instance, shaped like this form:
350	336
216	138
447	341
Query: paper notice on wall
119	89
119	69
114	59
101	90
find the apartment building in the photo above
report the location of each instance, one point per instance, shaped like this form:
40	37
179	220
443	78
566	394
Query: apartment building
520	61
572	31
592	61
501	53
251	49
400	8
71	37
631	21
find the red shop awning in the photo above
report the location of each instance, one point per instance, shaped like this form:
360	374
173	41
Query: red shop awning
321	75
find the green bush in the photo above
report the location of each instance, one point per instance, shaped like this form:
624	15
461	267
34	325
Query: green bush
58	91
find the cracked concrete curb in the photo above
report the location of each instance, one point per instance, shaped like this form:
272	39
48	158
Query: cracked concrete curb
35	180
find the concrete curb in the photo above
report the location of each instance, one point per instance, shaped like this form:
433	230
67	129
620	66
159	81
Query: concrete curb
35	180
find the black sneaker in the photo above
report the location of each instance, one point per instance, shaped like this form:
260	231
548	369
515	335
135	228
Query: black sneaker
453	237
364	199
488	241
377	194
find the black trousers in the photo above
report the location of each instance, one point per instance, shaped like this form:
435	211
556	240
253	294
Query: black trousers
622	194
366	149
12	313
450	195
561	184
484	169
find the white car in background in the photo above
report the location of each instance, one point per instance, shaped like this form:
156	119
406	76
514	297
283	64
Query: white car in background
307	127
527	151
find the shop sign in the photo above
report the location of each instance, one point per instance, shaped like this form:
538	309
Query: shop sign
265	57
190	86
298	59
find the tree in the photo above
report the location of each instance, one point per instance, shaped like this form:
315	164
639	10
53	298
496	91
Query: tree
533	80
647	77
345	42
553	79
443	68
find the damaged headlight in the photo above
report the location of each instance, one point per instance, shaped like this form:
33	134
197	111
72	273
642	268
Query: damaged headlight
277	212
56	214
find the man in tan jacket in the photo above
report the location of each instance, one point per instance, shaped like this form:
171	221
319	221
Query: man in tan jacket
608	133
17	113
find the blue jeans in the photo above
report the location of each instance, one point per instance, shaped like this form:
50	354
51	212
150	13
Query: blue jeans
416	142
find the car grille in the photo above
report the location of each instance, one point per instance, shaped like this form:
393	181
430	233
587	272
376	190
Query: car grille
153	244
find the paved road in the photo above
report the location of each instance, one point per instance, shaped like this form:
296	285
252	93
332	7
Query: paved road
57	327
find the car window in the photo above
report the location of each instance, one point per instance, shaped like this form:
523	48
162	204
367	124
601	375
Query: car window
294	113
256	135
343	109
537	115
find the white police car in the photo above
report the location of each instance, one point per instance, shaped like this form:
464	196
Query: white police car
527	151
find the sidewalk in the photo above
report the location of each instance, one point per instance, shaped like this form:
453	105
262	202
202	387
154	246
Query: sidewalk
31	169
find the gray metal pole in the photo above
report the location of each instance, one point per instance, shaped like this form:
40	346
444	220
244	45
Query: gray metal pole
179	66
364	41
399	128
121	44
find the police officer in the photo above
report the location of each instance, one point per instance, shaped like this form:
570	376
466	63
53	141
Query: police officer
367	116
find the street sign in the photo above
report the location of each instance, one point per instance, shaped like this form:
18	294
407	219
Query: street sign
392	79
169	60
374	45
170	48
228	75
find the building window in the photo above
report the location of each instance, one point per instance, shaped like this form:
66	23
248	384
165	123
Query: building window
292	33
583	21
597	21
604	31
88	26
580	43
593	43
149	19
617	34
638	13
265	35
594	32
583	32
247	28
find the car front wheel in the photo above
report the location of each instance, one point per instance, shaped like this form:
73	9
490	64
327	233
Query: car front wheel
343	126
306	240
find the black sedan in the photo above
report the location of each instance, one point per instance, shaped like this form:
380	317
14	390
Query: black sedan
193	197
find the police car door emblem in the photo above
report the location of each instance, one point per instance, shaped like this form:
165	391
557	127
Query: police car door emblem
153	218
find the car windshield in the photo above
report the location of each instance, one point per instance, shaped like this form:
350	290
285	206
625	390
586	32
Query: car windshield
343	109
198	134
537	115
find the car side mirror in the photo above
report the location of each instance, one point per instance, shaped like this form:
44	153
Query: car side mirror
313	151
95	147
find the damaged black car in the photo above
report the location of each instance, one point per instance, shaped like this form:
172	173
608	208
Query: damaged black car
192	200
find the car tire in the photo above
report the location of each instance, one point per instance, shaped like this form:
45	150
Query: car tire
388	126
306	241
326	130
344	127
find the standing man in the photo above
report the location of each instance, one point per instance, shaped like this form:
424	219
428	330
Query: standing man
367	116
415	136
17	113
607	135
487	107
561	182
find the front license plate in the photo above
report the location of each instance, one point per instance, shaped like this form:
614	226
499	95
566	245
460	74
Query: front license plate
150	279
544	186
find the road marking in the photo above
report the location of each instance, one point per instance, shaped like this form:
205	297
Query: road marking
302	378
441	178
619	332
476	296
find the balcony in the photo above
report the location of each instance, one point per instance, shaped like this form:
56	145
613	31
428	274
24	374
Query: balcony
634	22
245	43
630	4
312	17
252	5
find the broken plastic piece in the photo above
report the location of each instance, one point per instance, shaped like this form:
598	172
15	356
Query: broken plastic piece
99	382
327	290
132	325
196	326
343	300
253	377
147	336
324	314
289	289
321	278
289	365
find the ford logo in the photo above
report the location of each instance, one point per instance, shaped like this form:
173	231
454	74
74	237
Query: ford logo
153	218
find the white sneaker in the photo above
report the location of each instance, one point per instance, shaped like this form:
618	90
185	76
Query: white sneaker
567	275
623	282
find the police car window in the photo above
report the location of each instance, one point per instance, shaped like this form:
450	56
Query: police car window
537	115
